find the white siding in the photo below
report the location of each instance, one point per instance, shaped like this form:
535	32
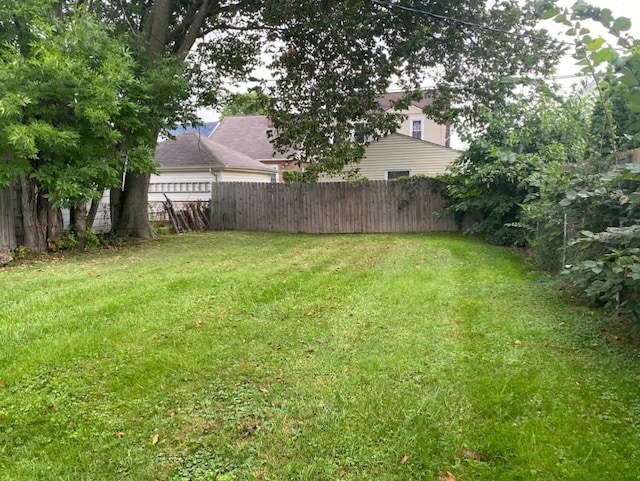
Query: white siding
181	186
397	152
433	132
187	186
102	222
239	176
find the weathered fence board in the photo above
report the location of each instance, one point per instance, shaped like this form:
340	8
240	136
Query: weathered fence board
339	207
7	219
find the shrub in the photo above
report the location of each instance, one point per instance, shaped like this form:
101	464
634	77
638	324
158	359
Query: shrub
610	275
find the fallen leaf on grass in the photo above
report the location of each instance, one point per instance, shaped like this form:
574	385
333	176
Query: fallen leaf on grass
468	454
119	435
2	383
279	379
155	438
446	476
404	459
518	342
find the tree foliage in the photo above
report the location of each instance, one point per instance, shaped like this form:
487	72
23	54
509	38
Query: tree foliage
340	57
61	83
499	171
253	102
578	208
330	60
625	121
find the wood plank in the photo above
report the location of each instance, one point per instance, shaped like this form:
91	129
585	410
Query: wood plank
326	208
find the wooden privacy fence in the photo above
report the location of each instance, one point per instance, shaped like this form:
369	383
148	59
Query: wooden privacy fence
7	218
329	208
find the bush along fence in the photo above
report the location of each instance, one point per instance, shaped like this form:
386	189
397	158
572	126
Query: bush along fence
408	205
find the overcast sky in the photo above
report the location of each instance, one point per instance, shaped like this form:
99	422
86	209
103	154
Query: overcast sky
620	8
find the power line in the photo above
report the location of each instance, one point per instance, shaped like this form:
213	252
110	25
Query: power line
469	24
485	27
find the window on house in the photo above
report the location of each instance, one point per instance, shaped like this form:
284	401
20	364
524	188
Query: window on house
416	129
274	175
396	174
361	133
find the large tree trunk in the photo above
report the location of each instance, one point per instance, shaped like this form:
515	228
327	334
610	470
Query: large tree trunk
115	206
129	207
132	216
42	222
80	222
34	231
55	224
129	210
93	212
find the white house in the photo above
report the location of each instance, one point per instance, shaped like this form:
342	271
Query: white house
416	123
191	163
399	155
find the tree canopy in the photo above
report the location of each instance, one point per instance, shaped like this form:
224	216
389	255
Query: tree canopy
330	62
253	102
61	84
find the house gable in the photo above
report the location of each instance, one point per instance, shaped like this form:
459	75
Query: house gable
401	153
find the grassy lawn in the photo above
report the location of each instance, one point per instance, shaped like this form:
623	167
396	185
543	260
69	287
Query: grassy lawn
242	356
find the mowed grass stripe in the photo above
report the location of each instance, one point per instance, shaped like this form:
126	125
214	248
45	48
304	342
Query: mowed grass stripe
274	356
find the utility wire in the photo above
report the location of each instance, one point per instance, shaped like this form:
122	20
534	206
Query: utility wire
486	28
468	24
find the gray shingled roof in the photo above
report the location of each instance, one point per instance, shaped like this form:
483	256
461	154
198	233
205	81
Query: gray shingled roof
247	134
193	150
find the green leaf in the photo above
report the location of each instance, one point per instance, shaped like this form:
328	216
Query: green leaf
547	14
623	42
633	102
621	24
595	44
628	79
606	16
603	55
